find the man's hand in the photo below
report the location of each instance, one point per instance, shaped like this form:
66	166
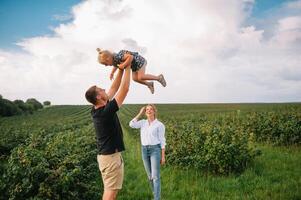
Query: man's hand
127	61
124	65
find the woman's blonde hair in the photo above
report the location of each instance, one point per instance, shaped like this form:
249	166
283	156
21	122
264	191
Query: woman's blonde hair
103	55
154	108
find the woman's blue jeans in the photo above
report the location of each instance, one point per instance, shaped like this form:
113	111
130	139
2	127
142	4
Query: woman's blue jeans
151	156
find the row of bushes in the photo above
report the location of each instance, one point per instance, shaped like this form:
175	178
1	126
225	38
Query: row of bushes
225	142
16	107
15	130
277	128
57	159
209	143
47	168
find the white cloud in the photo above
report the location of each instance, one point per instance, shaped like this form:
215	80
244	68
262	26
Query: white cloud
65	17
204	48
294	4
290	23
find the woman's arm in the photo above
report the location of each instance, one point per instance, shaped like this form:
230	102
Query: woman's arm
162	161
134	123
141	112
162	143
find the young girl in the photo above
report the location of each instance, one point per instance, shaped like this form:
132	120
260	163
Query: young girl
126	58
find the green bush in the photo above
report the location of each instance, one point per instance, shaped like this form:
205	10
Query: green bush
56	160
27	168
25	107
8	108
46	103
214	144
36	104
17	107
279	128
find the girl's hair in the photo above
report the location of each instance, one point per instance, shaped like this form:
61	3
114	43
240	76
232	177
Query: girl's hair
154	108
103	55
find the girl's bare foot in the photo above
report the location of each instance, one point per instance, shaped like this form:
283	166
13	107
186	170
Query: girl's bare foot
151	87
162	80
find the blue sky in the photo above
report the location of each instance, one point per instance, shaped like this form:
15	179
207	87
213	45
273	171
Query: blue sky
261	7
29	18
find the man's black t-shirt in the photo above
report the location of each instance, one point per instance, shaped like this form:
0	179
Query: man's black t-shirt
109	136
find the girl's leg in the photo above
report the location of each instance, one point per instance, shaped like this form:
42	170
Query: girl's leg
142	76
135	78
150	85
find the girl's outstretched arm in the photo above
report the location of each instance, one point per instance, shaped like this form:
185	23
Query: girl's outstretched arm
113	72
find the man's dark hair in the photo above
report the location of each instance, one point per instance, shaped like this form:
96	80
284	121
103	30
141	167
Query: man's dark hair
91	95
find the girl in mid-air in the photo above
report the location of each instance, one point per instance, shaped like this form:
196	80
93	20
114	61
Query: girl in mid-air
125	58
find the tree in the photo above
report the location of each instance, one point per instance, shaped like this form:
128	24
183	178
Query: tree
46	103
20	104
8	108
36	104
25	107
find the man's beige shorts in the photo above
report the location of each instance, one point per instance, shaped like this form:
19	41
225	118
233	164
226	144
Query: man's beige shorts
111	168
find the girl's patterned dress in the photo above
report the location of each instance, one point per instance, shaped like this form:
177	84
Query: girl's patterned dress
137	63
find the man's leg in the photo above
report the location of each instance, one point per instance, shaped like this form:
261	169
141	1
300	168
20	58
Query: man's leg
109	195
112	171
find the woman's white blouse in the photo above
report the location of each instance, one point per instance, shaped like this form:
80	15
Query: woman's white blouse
150	134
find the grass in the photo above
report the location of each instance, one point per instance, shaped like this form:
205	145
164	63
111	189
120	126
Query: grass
276	174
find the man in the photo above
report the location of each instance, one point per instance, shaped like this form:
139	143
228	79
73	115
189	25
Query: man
109	134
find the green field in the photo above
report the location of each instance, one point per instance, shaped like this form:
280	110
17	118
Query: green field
52	153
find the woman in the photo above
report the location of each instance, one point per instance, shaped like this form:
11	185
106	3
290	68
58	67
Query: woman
152	133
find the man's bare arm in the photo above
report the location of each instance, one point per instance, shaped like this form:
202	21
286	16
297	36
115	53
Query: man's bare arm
124	87
115	85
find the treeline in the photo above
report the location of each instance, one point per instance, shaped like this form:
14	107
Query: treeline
17	107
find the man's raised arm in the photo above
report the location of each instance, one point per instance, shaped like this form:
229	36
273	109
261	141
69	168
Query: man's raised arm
115	85
124	87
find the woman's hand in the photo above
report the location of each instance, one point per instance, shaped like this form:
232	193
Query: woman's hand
142	110
162	161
